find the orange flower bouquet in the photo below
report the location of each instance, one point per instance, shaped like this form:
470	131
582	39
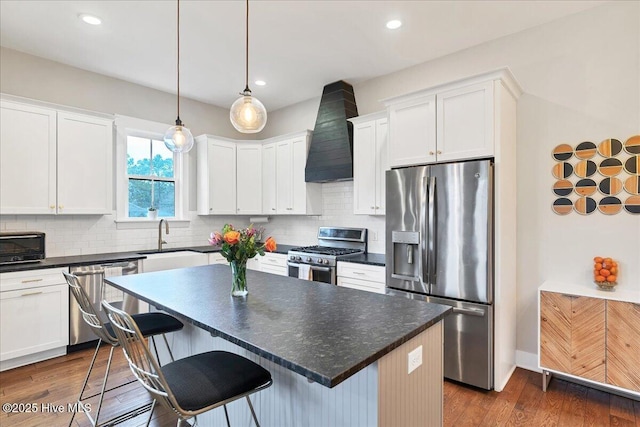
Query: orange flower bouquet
239	246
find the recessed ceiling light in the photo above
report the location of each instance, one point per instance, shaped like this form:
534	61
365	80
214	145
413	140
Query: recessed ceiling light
260	82
394	24
90	19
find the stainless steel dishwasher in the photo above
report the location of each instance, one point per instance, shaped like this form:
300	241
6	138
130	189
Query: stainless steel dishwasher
91	278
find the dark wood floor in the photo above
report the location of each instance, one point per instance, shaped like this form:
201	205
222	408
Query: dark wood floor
522	402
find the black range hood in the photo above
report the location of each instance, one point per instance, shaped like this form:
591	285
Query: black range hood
331	150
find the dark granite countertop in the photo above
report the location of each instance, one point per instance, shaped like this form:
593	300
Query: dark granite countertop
75	260
323	332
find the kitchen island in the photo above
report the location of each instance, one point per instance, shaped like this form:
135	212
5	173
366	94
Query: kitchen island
337	356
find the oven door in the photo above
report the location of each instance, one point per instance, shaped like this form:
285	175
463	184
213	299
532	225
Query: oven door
318	273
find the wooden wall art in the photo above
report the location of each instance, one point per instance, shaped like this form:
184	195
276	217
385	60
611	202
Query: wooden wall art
602	177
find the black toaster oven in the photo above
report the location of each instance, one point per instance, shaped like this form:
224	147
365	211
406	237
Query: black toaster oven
23	246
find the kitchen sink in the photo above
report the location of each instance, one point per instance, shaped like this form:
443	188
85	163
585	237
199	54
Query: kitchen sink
167	260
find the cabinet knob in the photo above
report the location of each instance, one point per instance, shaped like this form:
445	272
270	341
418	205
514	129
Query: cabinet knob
273	209
210	209
377	207
60	206
289	209
373	207
439	152
52	207
238	209
431	153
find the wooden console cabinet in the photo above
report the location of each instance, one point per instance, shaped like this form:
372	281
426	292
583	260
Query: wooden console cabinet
590	335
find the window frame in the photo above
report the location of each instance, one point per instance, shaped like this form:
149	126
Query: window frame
129	126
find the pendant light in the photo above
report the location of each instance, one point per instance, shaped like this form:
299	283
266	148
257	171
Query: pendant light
247	114
178	138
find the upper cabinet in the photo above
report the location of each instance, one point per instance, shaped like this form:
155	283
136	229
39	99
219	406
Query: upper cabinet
255	177
249	178
450	122
370	153
216	176
43	151
293	195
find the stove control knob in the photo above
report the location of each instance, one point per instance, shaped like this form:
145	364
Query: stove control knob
326	261
298	258
308	259
292	258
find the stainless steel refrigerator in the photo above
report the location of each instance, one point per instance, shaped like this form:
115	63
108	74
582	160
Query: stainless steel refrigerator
439	241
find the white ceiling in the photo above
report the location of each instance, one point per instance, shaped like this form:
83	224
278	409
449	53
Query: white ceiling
296	46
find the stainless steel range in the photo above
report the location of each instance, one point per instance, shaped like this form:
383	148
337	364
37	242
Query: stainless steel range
318	262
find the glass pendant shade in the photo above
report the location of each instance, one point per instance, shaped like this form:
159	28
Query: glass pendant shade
178	139
247	114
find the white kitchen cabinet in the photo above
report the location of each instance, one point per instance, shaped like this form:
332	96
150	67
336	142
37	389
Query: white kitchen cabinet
369	163
248	178
450	122
216	177
465	122
364	277
294	196
412	131
269	180
34	309
85	153
274	263
217	258
254	263
44	151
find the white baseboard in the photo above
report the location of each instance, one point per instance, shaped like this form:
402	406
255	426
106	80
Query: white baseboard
527	361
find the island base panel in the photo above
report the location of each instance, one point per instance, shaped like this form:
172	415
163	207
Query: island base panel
412	399
382	389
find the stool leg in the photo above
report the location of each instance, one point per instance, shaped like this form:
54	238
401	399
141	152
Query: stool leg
168	348
104	384
86	380
153	405
253	413
226	415
156	349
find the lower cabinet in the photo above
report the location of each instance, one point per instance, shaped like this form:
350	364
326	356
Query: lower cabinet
590	338
364	277
275	264
34	306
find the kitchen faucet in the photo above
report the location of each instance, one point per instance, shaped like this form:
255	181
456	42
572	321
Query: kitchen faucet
160	241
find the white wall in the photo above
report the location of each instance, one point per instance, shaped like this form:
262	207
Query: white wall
581	78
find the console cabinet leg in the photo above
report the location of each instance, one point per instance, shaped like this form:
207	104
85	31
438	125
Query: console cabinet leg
546	377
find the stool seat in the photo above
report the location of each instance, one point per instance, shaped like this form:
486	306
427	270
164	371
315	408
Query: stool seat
151	324
207	378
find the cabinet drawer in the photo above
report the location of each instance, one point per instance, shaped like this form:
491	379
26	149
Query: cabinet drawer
31	279
363	285
277	260
280	271
361	271
217	258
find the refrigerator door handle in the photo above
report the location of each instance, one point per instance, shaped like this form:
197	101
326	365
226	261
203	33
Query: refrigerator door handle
432	250
468	311
424	239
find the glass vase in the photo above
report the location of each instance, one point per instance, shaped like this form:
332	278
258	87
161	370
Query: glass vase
239	278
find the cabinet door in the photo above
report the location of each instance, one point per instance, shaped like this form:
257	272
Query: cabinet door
85	149
382	164
572	335
365	178
269	179
362	285
222	177
465	122
299	151
254	263
283	178
412	132
33	320
555	331
623	344
249	178
27	159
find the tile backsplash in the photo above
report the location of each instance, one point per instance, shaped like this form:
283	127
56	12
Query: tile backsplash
82	234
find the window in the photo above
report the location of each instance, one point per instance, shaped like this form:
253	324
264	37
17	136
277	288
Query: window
150	178
148	175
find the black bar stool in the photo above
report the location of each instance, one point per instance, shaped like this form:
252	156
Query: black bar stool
192	385
150	324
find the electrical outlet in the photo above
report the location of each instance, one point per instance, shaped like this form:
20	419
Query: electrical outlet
374	236
415	359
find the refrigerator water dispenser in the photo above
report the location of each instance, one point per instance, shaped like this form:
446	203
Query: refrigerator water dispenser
406	255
